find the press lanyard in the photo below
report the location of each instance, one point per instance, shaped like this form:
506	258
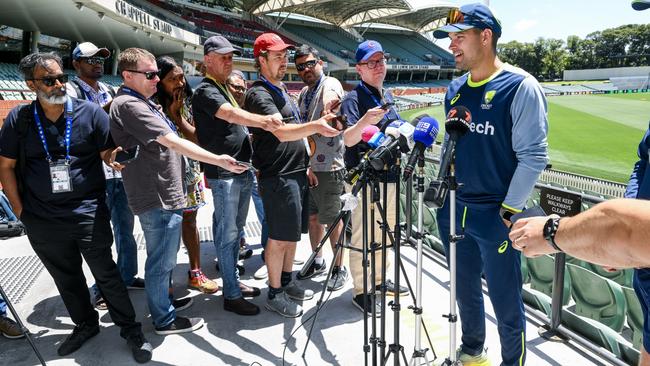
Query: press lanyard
68	130
225	91
377	102
295	111
135	94
309	97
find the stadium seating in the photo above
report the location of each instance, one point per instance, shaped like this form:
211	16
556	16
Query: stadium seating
541	271
331	39
598	298
634	315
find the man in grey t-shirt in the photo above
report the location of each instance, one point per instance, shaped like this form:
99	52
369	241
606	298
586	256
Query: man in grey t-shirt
154	180
327	168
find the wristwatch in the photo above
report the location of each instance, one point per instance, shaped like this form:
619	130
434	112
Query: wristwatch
550	229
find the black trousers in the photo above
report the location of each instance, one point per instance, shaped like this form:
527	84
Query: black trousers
60	245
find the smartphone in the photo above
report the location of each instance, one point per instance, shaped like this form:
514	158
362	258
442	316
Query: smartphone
245	164
387	105
529	212
127	155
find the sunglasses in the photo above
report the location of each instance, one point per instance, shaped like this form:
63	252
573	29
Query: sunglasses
305	65
149	75
50	81
93	60
455	16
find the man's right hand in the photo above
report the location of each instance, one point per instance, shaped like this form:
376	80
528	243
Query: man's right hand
323	126
373	116
272	122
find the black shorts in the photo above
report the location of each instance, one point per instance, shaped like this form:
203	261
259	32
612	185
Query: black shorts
286	205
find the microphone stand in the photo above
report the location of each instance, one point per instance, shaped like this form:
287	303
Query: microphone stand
453	240
419	353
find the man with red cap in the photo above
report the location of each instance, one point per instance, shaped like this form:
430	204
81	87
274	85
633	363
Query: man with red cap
282	160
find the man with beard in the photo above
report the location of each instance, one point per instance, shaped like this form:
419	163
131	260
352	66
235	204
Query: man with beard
498	162
327	172
51	154
88	62
282	160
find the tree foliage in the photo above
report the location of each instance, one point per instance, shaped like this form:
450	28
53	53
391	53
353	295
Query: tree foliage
546	59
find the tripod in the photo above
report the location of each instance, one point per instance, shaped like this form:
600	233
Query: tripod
22	326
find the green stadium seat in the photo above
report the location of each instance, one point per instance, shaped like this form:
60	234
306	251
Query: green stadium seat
541	271
537	299
525	276
597	297
629	353
622	277
594	331
434	243
634	316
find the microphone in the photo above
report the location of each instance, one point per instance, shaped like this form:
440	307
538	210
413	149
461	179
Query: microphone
373	137
456	125
379	157
425	133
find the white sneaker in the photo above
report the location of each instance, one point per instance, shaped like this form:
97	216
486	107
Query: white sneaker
261	273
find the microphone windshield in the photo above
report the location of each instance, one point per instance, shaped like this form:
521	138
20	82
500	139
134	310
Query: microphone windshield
368	132
426	130
458	120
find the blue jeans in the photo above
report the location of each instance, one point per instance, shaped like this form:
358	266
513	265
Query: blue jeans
259	209
231	198
6	207
162	231
122	219
3	307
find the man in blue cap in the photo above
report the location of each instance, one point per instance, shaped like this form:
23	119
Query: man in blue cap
497	162
362	107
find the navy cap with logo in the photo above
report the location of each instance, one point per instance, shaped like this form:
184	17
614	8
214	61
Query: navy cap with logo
640	4
476	15
366	49
219	44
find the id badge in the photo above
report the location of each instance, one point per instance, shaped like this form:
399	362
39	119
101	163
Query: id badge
60	176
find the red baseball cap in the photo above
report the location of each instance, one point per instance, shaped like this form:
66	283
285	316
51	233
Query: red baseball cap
269	42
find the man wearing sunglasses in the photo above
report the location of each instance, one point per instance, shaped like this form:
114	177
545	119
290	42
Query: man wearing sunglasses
51	154
88	62
327	168
154	181
498	162
362	107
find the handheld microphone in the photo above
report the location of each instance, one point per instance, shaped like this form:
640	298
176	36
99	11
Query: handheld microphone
406	142
376	139
424	136
456	125
380	156
368	132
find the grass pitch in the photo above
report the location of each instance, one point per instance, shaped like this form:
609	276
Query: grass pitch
594	135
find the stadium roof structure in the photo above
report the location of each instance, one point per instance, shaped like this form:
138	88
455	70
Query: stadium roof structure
345	13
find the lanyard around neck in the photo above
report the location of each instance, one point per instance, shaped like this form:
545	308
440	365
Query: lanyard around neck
68	130
378	102
225	91
149	104
295	111
309	97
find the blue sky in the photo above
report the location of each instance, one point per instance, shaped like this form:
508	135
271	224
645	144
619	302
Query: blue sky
526	20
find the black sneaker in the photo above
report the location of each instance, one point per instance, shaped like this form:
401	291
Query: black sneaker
140	348
245	253
312	271
390	289
357	301
182	304
80	334
181	325
240	268
138	284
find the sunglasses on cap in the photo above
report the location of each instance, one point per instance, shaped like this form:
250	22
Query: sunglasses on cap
50	81
455	16
306	65
149	75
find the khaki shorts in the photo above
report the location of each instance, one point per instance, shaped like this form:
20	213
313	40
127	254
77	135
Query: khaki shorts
324	199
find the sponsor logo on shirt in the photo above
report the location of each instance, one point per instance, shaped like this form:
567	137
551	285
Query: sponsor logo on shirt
487	98
482	128
454	99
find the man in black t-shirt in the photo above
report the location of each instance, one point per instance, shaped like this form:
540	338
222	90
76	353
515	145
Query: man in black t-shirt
282	160
221	129
54	147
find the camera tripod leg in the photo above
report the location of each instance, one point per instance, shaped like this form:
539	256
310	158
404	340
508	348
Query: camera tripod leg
22	326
